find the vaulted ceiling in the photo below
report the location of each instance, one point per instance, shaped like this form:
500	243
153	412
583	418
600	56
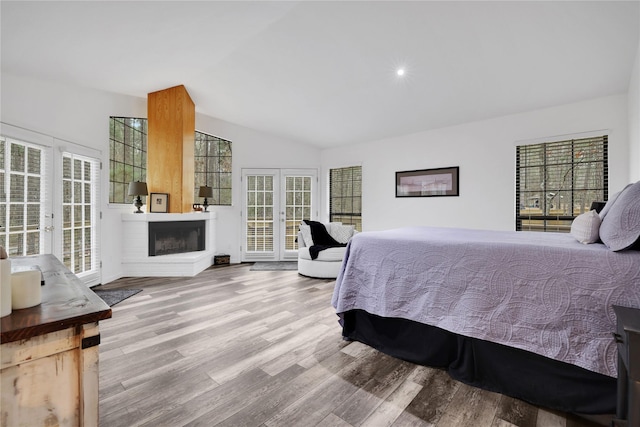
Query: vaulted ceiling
325	73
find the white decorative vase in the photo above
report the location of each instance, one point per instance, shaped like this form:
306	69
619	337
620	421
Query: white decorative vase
5	287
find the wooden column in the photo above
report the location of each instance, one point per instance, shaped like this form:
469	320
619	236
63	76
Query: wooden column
170	146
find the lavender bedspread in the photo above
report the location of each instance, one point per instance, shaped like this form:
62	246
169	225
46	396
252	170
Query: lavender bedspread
541	292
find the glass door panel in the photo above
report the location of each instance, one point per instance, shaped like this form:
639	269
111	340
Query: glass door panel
24	227
298	207
79	215
260	222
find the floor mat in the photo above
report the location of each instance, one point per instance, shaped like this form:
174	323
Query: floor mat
275	266
113	297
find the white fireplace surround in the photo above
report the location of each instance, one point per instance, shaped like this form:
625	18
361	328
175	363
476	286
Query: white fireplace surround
136	261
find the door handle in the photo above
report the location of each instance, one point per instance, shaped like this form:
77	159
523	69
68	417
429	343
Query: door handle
49	228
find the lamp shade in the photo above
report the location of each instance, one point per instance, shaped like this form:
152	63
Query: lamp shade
205	191
138	188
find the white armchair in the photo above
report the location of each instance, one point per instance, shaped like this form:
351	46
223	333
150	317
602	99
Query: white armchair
329	261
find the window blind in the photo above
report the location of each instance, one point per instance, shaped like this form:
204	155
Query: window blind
345	196
557	181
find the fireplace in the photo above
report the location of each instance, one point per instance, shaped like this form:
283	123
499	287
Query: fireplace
176	237
136	261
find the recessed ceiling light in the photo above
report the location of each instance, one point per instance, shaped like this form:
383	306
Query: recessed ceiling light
400	72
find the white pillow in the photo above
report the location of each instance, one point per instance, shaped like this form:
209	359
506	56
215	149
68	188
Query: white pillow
305	229
611	201
340	233
585	227
621	227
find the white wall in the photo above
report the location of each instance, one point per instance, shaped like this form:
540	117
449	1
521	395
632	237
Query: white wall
634	120
81	116
485	153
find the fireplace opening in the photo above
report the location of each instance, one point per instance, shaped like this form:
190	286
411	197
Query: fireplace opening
176	237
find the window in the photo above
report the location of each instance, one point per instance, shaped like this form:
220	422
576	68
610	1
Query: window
557	181
128	161
128	155
213	167
345	196
22	171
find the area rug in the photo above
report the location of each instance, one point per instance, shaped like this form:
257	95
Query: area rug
113	297
275	266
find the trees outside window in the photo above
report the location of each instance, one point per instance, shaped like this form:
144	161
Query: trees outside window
213	167
127	156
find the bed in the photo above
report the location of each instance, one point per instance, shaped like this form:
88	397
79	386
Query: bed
522	313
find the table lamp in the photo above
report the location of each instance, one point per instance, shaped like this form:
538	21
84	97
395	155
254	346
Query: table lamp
205	191
138	189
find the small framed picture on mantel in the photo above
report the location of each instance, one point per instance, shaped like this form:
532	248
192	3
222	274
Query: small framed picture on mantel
428	182
159	202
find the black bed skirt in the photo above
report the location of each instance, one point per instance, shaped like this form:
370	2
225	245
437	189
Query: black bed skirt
517	373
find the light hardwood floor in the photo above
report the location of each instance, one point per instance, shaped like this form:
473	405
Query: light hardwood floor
234	347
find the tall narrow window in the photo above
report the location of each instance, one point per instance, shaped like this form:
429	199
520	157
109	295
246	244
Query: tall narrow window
127	154
213	167
22	171
345	196
557	181
79	187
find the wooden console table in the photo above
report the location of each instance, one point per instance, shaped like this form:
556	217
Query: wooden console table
627	337
49	370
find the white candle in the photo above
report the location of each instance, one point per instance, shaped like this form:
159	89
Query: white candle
25	289
5	287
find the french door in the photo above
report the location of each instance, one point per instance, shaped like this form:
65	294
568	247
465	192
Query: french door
275	202
49	201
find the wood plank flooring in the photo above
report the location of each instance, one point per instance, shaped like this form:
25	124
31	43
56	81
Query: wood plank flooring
234	347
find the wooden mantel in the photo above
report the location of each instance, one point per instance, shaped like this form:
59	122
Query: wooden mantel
170	146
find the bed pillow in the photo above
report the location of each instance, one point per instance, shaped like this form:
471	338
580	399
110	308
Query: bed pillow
341	233
585	227
306	234
620	227
611	201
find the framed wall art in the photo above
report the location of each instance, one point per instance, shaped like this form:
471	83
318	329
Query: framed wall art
428	182
159	202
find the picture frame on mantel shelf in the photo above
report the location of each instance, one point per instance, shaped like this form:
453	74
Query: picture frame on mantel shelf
437	182
159	202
